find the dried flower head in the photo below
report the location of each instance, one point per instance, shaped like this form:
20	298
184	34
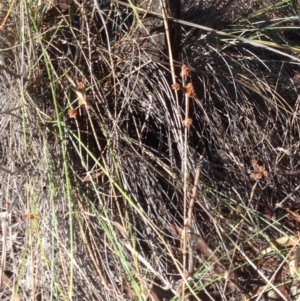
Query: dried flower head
259	171
187	122
80	85
72	113
176	86
185	71
189	90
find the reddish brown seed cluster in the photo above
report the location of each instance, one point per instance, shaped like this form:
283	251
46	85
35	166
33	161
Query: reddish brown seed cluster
259	171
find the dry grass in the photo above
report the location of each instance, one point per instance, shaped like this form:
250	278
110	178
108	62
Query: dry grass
98	155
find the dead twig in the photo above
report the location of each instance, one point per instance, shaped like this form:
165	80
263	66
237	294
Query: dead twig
189	220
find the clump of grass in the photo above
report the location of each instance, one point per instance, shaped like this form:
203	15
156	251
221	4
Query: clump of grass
108	186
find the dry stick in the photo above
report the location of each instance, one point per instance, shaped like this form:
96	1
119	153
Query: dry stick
10	110
165	19
189	219
10	72
185	176
8	13
166	25
193	196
